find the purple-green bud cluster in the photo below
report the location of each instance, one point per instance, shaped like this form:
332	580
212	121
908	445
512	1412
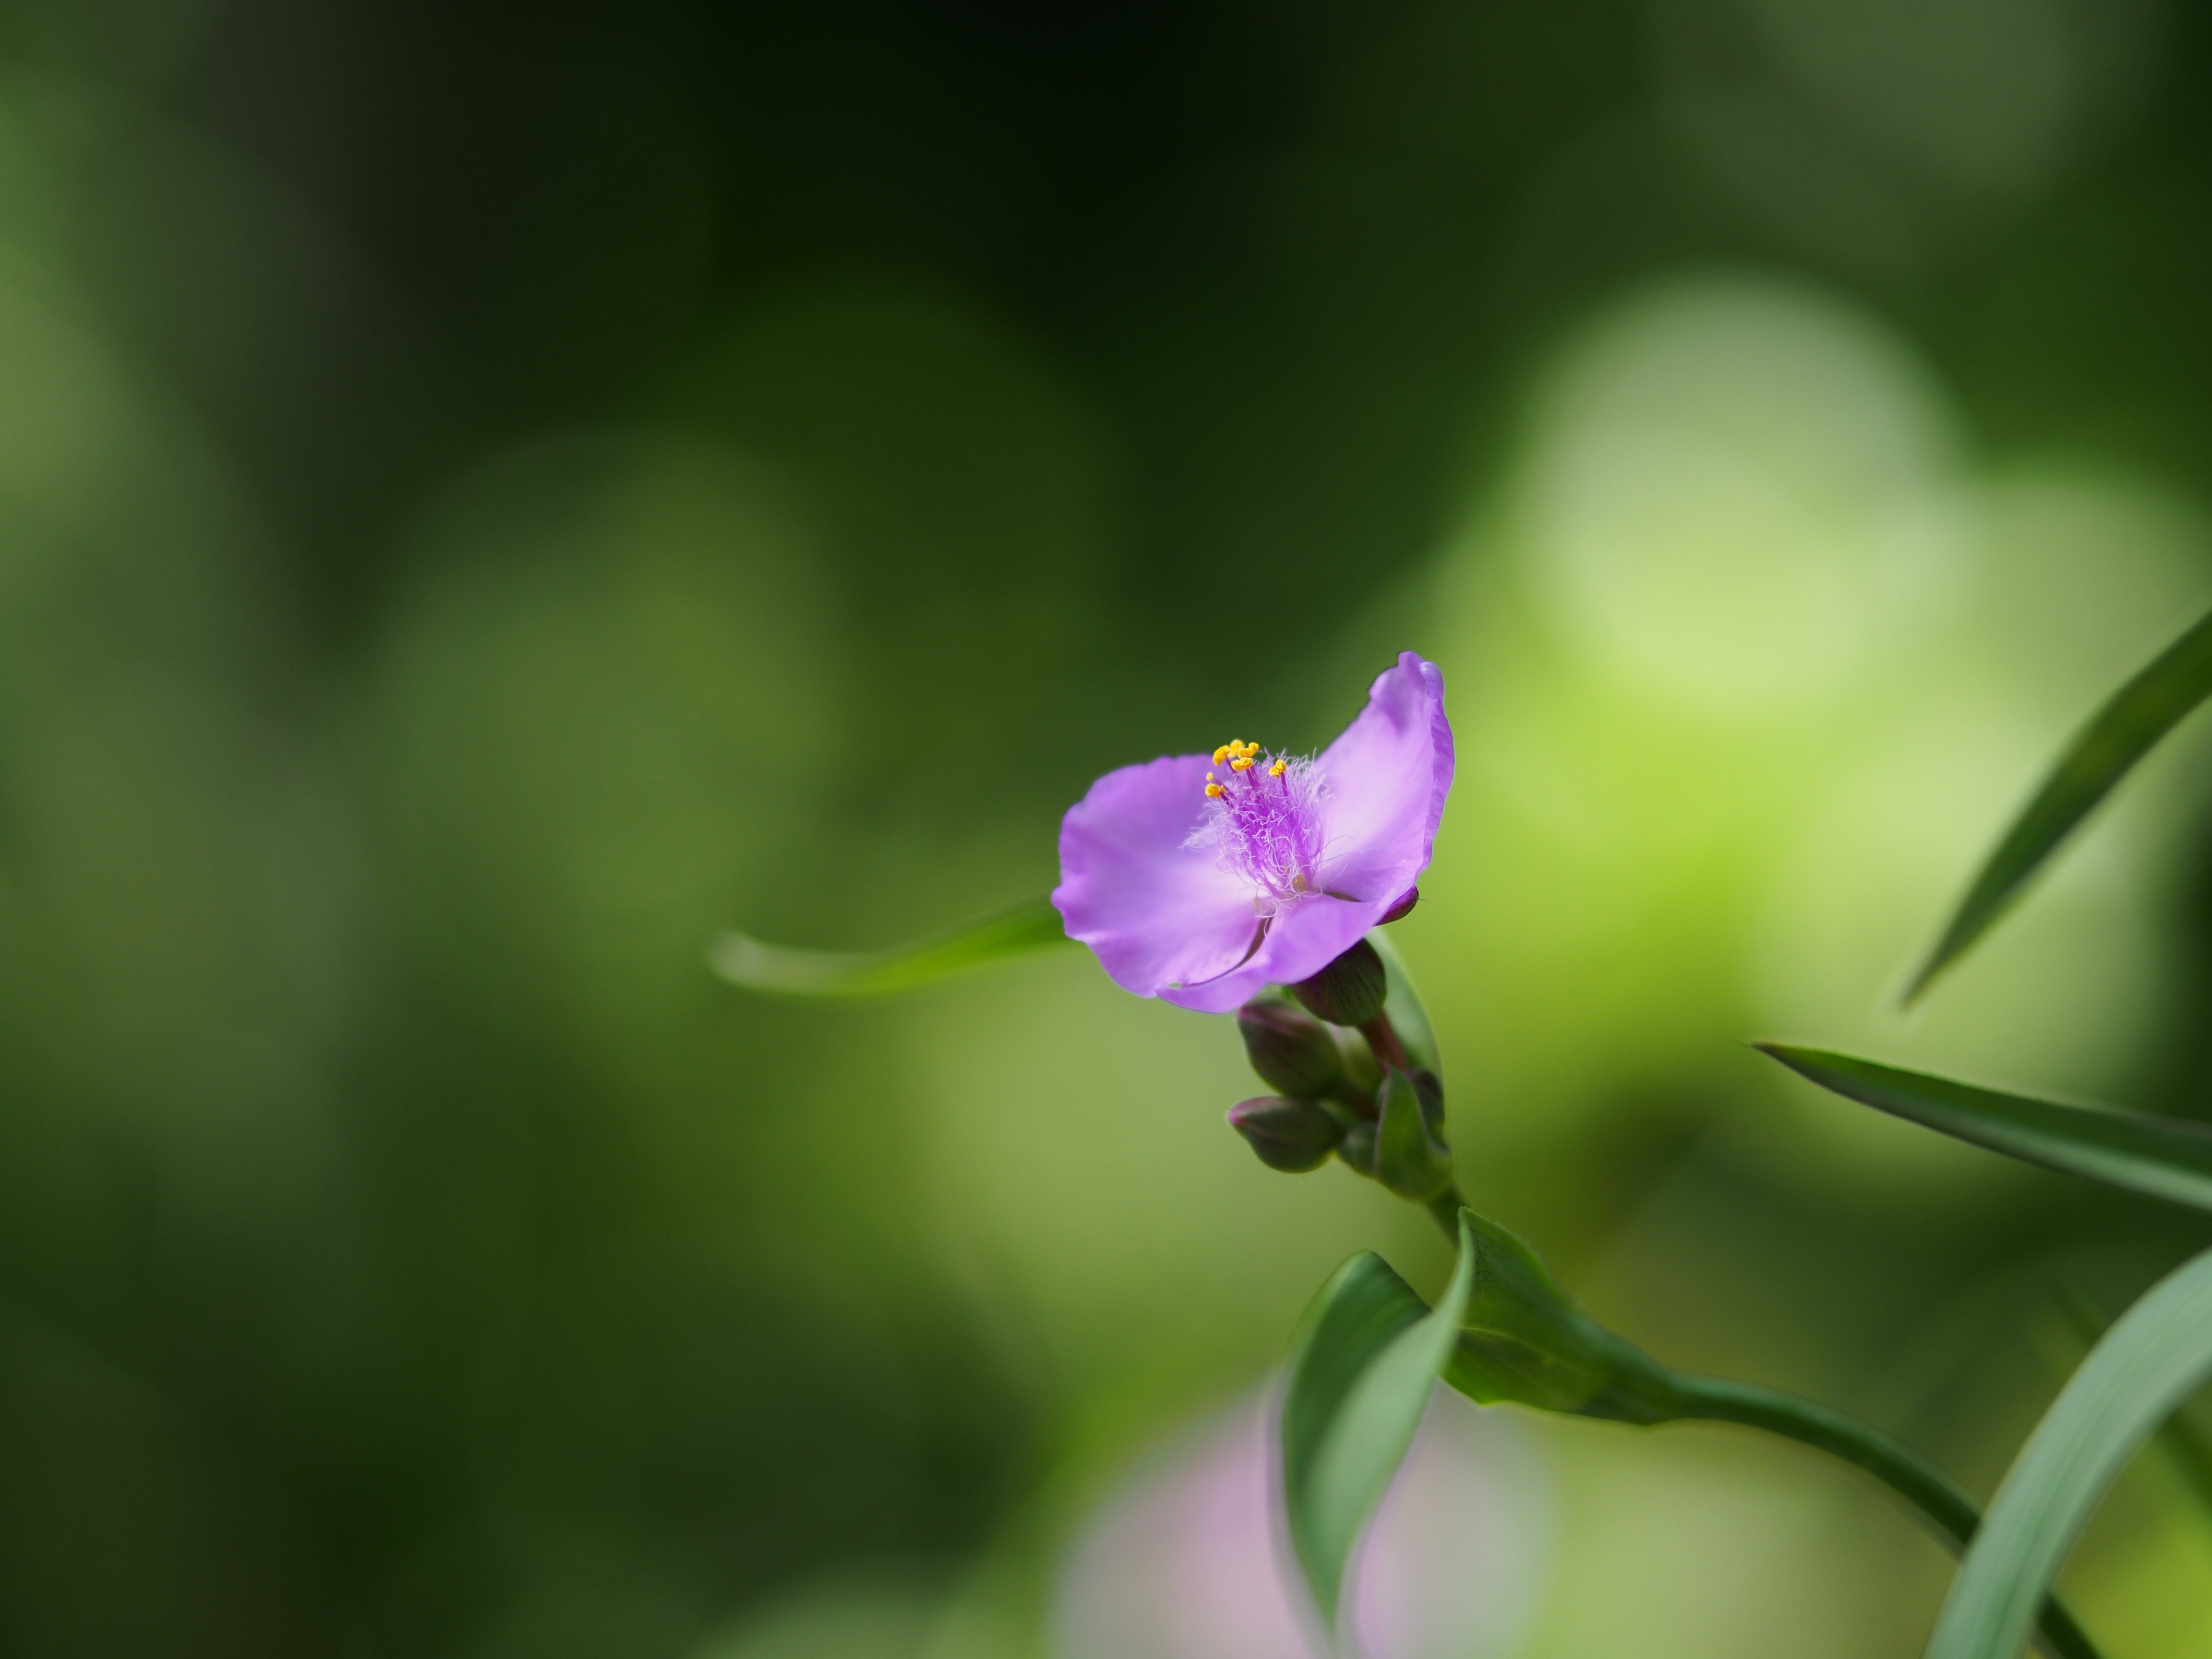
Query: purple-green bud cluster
1333	1094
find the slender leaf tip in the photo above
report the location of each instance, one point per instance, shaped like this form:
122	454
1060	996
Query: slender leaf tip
782	970
2167	1158
2132	722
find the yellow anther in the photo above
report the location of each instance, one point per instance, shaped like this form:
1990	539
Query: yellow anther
1221	754
1250	750
1277	768
1214	790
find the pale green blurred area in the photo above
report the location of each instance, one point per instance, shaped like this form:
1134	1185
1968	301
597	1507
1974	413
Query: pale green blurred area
479	521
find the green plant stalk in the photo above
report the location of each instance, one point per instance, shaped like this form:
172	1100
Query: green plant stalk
1949	1511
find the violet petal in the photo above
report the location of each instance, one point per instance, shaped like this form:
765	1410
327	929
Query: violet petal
1157	911
1388	777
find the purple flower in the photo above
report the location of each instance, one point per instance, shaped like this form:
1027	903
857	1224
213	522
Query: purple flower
1200	879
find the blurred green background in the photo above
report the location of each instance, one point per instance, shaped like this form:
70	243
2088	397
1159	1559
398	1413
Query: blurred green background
491	495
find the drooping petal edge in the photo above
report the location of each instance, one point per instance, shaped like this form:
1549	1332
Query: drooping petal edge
1154	910
1388	776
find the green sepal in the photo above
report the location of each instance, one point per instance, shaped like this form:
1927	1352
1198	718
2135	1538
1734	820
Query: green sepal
1408	1158
1357	1148
1431	1093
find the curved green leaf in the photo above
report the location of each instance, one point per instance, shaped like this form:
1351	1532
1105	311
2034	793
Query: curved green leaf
1367	1353
1523	1339
743	960
2157	1355
2186	1446
2163	1156
2121	733
1416	1036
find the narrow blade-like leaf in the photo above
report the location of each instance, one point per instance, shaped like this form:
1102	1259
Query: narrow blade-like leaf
2163	1156
1368	1353
2157	1355
2184	1443
1407	1017
743	960
2121	733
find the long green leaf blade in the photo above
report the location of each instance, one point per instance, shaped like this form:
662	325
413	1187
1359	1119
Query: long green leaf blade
780	970
2163	1156
2121	733
2157	1355
1368	1353
2185	1446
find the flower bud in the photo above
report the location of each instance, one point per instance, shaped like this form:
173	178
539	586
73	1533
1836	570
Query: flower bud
1349	991
1408	1158
1292	1051
1291	1135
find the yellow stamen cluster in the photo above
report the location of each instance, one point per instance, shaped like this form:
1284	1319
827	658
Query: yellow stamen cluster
1238	755
1278	768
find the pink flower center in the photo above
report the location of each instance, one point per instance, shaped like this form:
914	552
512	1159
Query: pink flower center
1263	819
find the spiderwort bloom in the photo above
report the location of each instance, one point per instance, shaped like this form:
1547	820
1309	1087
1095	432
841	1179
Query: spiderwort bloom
1200	879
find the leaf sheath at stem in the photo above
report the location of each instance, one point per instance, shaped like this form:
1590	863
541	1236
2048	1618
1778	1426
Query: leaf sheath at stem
1950	1513
1443	1210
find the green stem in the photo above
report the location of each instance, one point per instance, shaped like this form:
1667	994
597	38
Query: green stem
1383	1040
1951	1513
